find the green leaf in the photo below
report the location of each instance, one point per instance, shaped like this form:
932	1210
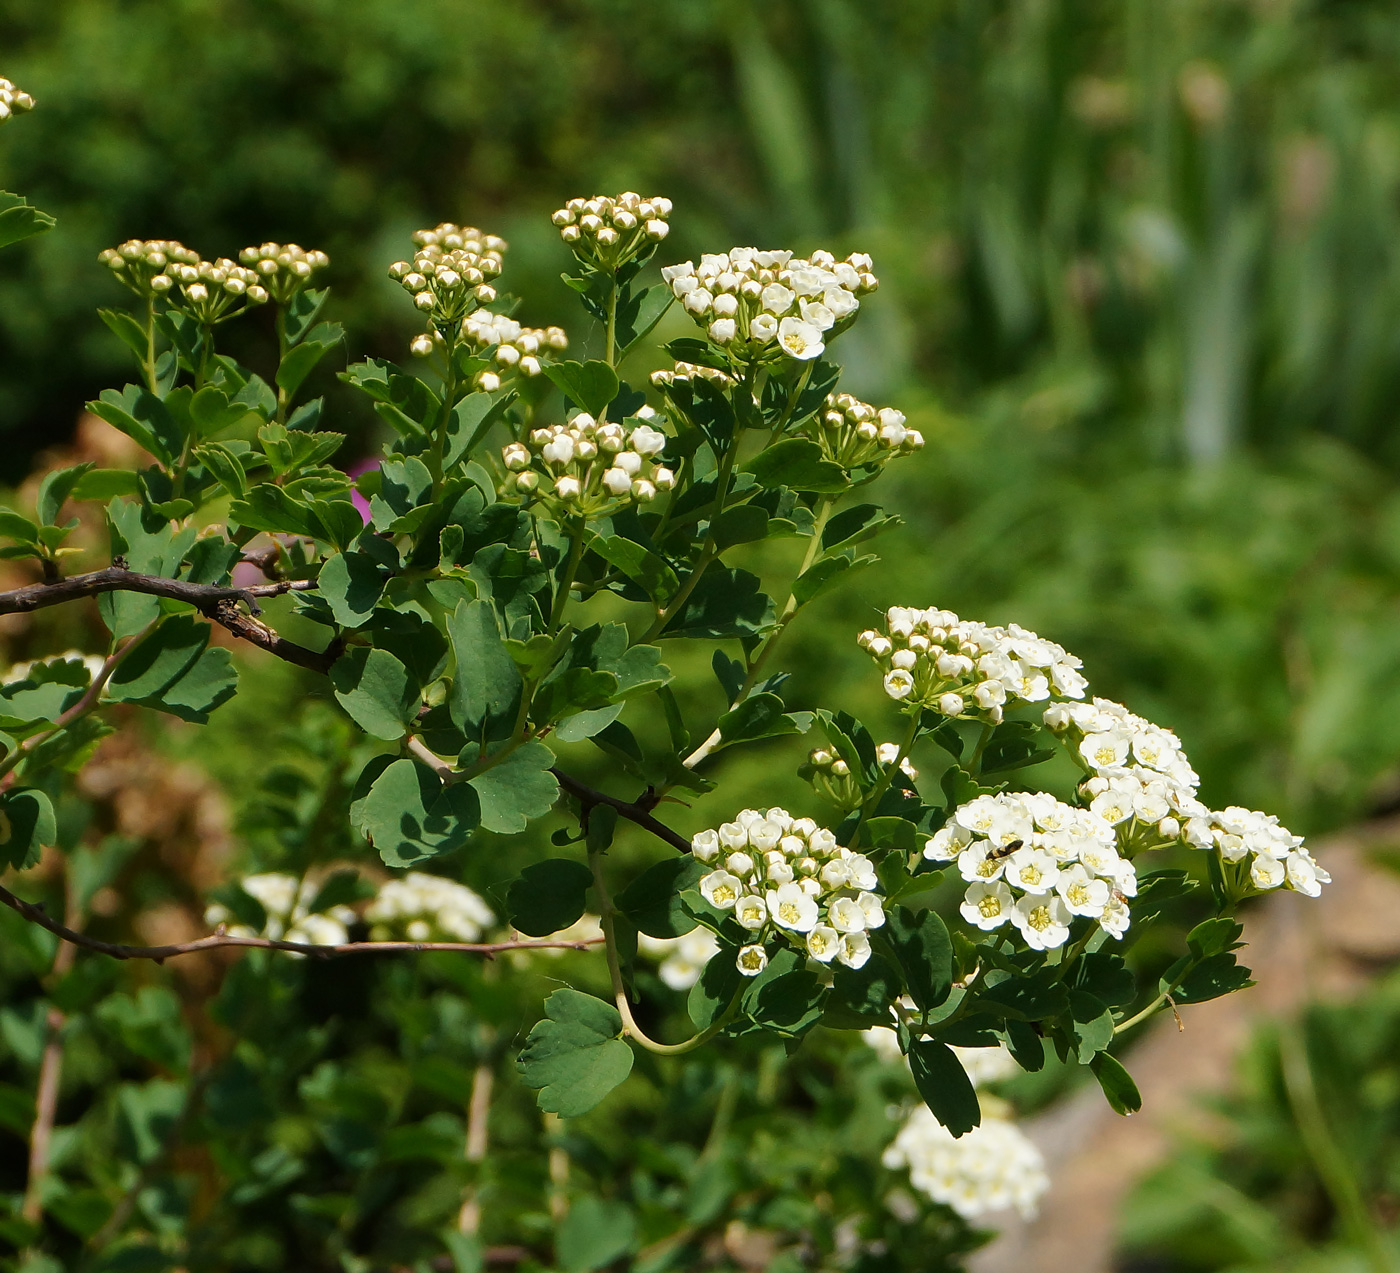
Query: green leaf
486	686
639	564
825	573
592	385
548	896
1117	1084
159	660
944	1085
797	463
517	789
55	489
1107	977
27	825
226	467
594	1234
924	951
18	220
127	330
1220	974
639	314
1093	1024
211	411
301	359
404	810
351	584
583	725
204	686
719	982
376	690
761	716
13	526
575	1056
725	603
790	1004
1030	997
1213	936
742	524
142	417
574	690
855	525
469	423
654	902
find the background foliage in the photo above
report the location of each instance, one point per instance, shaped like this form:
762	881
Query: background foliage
1140	294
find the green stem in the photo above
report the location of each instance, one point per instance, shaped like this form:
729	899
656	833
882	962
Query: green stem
1330	1160
872	801
629	1023
974	764
449	400
152	381
566	584
610	340
283	398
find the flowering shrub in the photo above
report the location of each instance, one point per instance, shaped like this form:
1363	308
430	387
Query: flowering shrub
507	586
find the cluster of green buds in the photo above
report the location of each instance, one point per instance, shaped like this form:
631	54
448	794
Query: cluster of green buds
831	776
215	291
606	233
515	349
13	101
145	265
450	273
589	468
284	268
852	433
684	372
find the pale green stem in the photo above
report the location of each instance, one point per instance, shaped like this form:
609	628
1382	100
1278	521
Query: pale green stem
877	793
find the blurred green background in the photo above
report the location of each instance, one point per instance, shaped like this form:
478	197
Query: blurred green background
1140	269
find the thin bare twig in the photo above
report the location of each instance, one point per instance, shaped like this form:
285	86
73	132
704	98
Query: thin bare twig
636	812
37	915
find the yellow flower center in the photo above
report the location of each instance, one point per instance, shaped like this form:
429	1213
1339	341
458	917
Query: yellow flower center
990	907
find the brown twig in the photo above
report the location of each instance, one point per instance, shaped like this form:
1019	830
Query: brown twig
634	811
217	603
37	915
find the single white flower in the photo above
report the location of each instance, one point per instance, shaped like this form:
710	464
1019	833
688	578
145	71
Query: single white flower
898	683
988	905
751	960
763	327
723	330
777	299
1266	872
751	911
1081	892
1106	750
1043	921
823	943
846	915
721	889
874	911
855	950
792	908
799	339
1032	870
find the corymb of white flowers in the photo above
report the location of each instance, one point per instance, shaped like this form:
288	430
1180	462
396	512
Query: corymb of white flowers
852	433
13	101
786	878
450	274
286	901
962	668
1036	862
426	907
1142	784
517	349
607	232
990	1168
758	303
589	467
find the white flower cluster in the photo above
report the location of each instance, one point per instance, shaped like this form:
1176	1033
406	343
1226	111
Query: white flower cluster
216	291
684	372
285	268
451	272
787	877
683	959
852	432
960	667
992	1167
832	777
591	468
424	907
13	101
1036	862
287	902
753	302
518	349
1141	782
608	232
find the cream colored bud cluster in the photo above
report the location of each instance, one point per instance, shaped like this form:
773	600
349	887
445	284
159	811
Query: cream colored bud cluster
785	878
146	265
284	268
1141	782
684	372
606	233
852	432
13	101
682	959
450	273
832	777
756	303
215	291
993	1167
963	668
587	467
287	901
517	350
423	907
1036	862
